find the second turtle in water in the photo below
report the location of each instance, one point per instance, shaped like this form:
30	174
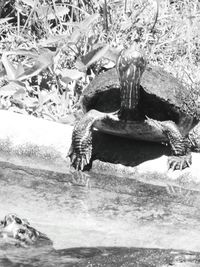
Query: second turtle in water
17	231
139	91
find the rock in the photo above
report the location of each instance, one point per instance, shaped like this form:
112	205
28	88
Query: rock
38	143
31	141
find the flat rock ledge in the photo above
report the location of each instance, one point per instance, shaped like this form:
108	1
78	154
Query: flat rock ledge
41	144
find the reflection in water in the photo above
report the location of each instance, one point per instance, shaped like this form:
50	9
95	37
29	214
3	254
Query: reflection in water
109	212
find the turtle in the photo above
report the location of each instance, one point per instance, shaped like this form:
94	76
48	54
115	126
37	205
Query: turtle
18	231
141	101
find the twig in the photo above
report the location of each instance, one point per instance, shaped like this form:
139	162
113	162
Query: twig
156	16
105	13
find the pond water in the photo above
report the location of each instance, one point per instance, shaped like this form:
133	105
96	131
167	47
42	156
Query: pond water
95	213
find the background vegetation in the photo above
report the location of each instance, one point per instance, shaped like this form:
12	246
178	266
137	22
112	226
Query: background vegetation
52	49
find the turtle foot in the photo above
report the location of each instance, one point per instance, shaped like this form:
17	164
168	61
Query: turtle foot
179	162
80	151
79	159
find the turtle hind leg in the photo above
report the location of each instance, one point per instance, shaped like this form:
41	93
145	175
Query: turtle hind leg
180	146
80	151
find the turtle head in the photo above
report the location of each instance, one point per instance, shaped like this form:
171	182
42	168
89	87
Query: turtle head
130	66
10	219
20	231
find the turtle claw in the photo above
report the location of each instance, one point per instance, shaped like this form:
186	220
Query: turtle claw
77	161
179	162
80	156
83	162
72	156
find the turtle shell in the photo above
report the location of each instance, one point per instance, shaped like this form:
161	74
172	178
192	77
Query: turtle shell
162	96
103	93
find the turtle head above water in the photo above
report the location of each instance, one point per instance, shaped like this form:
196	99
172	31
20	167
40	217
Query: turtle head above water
18	231
11	221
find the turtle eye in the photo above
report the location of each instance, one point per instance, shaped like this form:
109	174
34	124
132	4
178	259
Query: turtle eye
19	221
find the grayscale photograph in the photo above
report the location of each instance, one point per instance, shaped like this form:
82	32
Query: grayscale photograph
99	133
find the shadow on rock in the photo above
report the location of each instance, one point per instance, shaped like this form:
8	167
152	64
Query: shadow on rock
126	151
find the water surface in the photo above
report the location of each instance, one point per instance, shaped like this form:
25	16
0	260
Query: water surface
100	211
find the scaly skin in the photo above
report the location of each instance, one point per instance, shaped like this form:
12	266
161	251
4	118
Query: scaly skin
130	65
181	146
80	151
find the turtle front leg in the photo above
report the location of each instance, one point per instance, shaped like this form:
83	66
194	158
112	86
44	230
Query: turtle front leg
180	146
80	151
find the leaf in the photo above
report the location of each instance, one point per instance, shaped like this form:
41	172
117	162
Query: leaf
33	53
50	13
30	102
96	55
19	92
80	66
109	65
11	88
19	70
12	72
54	39
82	28
86	23
44	97
44	11
76	35
70	75
126	24
99	52
54	98
2	73
87	57
10	69
33	71
60	11
29	2
46	56
44	60
112	53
